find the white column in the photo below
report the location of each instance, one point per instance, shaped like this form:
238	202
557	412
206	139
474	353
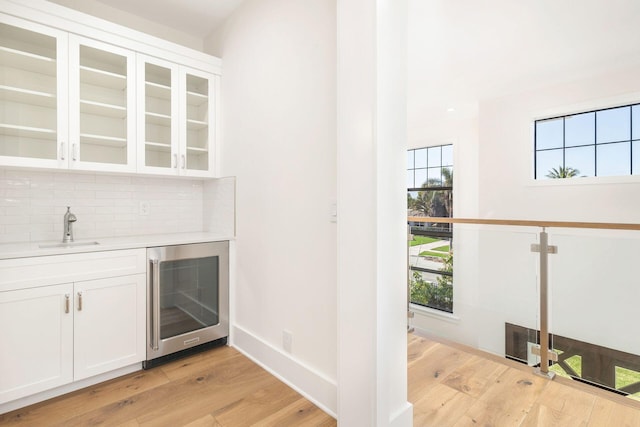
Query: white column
371	136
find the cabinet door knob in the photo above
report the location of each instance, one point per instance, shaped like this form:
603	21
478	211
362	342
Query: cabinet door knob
79	301
184	162
66	303
74	152
62	150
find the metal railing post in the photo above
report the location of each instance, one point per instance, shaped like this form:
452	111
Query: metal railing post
545	354
409	312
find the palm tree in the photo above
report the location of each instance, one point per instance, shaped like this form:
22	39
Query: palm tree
433	202
424	201
563	172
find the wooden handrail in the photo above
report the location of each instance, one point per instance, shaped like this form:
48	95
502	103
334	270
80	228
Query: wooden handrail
527	223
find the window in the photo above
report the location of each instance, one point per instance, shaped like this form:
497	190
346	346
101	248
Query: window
429	193
594	143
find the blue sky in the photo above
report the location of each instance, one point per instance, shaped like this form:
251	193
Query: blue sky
426	163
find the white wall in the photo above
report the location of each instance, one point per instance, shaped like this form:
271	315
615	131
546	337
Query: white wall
507	189
103	11
495	274
279	130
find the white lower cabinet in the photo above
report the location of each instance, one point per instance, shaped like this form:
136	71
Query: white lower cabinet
37	340
52	335
108	324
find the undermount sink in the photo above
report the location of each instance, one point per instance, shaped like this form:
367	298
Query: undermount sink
67	245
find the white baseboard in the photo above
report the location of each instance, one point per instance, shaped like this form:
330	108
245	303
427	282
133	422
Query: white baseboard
313	385
402	418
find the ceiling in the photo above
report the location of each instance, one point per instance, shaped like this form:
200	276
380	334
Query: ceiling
197	18
463	51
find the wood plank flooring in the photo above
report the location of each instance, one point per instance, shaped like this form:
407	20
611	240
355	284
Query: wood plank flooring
220	387
449	385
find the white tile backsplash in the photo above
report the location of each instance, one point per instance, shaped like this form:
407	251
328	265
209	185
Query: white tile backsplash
219	206
33	203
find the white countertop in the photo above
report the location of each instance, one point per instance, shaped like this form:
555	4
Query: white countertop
31	249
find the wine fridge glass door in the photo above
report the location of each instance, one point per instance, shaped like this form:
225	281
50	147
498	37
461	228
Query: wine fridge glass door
189	293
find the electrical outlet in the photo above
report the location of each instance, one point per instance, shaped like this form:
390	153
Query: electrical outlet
144	208
333	212
287	340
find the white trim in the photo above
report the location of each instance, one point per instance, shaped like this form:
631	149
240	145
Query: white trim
313	385
402	417
587	106
436	314
587	180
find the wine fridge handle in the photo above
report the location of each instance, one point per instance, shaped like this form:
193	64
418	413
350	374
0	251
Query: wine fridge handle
155	304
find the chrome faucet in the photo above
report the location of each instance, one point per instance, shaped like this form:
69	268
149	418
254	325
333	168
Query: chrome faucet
69	219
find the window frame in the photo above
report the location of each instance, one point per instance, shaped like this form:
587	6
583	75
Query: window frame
448	234
631	102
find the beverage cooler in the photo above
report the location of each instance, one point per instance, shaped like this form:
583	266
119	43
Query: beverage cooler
187	300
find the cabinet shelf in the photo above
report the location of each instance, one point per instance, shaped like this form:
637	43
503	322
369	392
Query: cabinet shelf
158	119
104	140
196	99
27	132
102	78
112	107
158	146
27	61
197	150
196	124
26	96
101	109
157	90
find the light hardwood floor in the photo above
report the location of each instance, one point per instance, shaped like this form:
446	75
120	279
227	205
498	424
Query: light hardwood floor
220	387
449	385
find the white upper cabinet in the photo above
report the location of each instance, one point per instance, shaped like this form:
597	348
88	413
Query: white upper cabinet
197	105
102	99
102	106
33	94
158	103
176	119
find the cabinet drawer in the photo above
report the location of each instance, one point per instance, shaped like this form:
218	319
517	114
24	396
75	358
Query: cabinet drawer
23	273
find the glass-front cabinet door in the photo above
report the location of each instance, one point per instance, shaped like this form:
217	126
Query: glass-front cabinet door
102	106
33	94
158	124
72	102
176	119
198	136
